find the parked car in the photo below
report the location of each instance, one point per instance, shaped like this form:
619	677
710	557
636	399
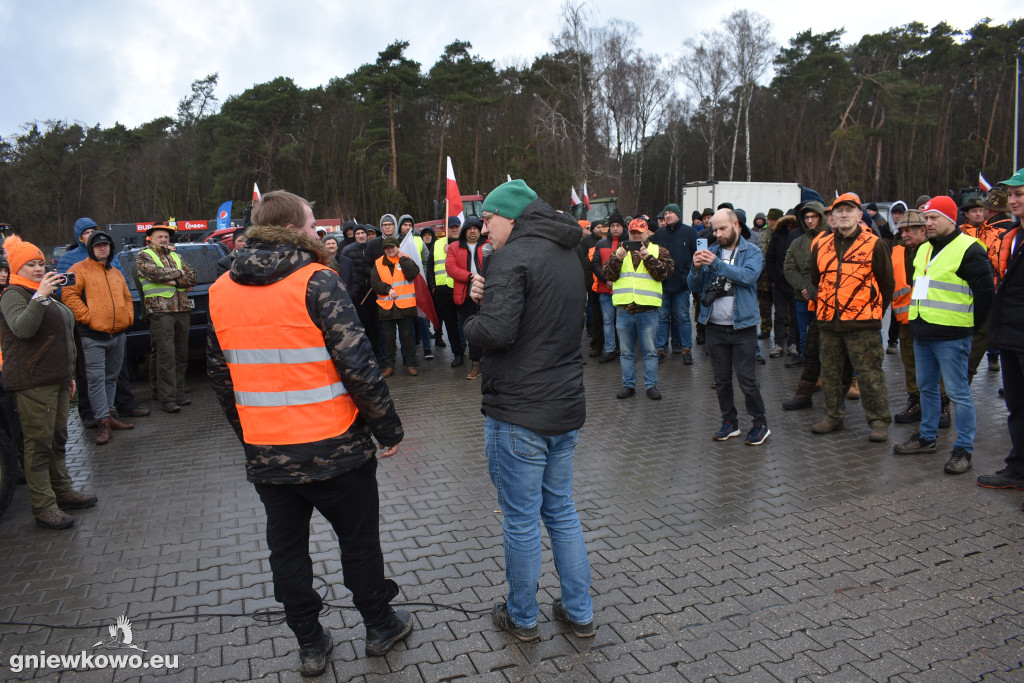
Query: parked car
202	257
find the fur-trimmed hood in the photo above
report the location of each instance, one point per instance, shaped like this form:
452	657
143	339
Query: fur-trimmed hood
272	253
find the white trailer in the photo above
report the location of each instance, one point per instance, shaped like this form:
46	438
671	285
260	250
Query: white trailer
753	198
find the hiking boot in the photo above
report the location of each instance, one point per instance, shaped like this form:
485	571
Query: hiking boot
1003	479
914	446
626	392
171	407
117	424
313	657
653	393
794	360
801	397
503	621
826	425
77	501
474	371
586	630
103	435
758	434
853	393
412	371
945	419
993	364
381	637
912	413
728	430
387	372
607	357
55	519
959	461
458	360
775	352
891	348
661	356
687	356
879	432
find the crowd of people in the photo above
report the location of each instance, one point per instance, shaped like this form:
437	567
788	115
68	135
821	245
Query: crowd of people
306	328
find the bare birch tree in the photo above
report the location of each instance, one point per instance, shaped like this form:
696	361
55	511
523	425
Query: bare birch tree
706	70
751	50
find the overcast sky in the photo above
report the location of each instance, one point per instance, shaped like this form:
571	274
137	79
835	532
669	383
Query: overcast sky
131	62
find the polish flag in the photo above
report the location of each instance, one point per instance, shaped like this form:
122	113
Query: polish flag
586	196
454	198
256	196
424	302
575	197
984	184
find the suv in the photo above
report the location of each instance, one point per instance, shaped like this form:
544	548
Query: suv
203	258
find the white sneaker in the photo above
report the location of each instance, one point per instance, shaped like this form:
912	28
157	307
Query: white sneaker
776	351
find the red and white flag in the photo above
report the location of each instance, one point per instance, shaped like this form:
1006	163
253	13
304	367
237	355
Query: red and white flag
424	302
256	196
575	197
984	184
454	198
586	196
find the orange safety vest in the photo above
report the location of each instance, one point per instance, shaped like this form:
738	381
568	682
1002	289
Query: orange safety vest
847	289
405	290
1005	247
901	297
590	257
287	388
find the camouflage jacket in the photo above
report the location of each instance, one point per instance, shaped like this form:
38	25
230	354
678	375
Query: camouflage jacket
270	255
164	272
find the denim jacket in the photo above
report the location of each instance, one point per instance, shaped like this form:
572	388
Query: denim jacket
744	272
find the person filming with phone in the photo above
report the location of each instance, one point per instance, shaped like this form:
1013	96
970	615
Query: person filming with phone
636	270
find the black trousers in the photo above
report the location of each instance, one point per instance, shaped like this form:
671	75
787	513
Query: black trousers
732	351
785	312
350	503
1013	391
448	316
467	309
368	315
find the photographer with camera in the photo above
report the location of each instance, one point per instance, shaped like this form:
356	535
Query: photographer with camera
636	270
726	276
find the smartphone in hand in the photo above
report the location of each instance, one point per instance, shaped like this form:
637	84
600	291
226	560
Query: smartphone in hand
702	243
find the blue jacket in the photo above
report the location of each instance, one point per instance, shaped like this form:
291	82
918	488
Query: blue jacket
744	273
80	253
681	241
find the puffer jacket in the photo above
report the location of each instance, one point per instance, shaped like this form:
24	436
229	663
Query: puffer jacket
271	255
362	263
100	298
530	324
797	265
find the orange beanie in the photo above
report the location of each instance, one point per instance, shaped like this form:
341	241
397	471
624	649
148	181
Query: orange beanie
20	252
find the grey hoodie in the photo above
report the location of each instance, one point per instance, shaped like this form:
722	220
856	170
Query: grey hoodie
530	323
893	226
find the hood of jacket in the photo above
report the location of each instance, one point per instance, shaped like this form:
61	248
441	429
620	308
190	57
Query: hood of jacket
893	226
108	262
540	220
405	217
818	208
388	217
81	225
273	253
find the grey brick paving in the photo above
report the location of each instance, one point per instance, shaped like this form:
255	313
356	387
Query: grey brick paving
808	559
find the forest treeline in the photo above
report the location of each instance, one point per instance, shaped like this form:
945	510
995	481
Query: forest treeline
893	115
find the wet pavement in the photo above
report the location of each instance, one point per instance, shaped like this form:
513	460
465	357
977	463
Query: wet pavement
808	558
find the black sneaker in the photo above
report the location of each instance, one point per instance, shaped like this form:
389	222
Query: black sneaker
914	446
626	392
606	357
380	639
959	461
728	430
503	621
586	630
1003	479
758	434
313	658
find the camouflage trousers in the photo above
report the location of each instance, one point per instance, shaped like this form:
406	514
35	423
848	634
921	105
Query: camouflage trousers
812	357
764	305
863	349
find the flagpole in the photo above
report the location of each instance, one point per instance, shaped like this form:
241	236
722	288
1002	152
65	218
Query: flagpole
1016	115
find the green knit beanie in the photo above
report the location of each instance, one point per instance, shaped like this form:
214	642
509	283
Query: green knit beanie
674	208
509	199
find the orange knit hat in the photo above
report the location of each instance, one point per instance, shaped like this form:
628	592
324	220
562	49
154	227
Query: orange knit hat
20	252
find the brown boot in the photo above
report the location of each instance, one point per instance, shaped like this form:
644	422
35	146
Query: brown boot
817	385
854	391
474	371
826	425
117	424
802	398
879	432
103	433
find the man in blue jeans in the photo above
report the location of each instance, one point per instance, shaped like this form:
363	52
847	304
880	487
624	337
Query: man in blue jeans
531	318
681	241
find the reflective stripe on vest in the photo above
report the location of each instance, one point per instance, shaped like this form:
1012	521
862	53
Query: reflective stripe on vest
901	296
949	299
636	286
440	274
163	291
405	290
287	388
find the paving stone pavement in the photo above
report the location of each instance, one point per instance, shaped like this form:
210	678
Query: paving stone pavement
811	558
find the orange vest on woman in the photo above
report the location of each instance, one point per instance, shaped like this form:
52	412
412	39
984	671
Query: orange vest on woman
901	297
847	289
287	389
405	290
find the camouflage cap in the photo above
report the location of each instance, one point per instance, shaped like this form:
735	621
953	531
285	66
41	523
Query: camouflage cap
997	201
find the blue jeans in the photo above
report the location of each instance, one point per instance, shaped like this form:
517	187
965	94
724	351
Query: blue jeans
803	321
675	304
532	474
633	327
608	315
950	359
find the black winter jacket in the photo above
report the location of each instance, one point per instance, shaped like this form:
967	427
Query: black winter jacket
530	325
1006	323
362	264
681	241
